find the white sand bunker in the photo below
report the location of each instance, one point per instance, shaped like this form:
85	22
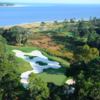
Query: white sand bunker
70	81
38	62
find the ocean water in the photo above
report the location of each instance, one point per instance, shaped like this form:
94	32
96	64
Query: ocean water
38	13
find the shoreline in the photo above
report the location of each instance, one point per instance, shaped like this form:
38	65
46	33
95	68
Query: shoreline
39	22
29	23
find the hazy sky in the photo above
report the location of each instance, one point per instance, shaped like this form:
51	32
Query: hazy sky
55	1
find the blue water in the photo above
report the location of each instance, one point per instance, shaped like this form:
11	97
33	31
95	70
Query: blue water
34	13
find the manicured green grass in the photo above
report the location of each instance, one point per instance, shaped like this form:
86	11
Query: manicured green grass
56	76
53	78
22	48
22	65
61	70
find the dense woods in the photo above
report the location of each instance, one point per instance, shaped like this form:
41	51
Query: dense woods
79	44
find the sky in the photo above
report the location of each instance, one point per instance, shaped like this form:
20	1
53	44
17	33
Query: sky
55	1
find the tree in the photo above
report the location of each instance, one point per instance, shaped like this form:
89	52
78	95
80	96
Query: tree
9	86
94	40
38	89
2	31
87	78
83	28
93	70
86	53
42	26
56	22
88	81
72	20
2	47
17	35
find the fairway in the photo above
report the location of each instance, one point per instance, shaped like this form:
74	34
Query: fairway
57	79
56	76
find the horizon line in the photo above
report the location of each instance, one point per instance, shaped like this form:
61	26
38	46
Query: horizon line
49	3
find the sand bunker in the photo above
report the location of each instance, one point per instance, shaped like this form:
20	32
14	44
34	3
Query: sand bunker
70	82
